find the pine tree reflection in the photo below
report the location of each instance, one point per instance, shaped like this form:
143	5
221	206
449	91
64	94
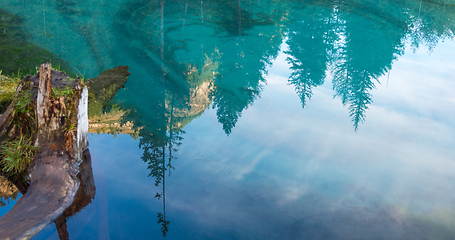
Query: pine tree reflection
225	64
312	33
323	36
190	54
178	93
366	54
244	59
358	46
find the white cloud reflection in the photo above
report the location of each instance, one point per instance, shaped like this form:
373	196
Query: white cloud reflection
398	169
287	172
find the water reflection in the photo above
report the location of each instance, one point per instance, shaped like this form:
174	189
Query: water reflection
326	40
187	56
17	54
350	43
84	196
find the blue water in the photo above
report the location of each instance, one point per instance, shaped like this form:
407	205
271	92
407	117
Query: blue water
8	203
264	119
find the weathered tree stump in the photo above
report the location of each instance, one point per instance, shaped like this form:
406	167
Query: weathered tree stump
61	141
60	179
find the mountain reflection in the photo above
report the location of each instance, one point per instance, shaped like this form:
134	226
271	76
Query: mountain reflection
225	64
195	54
349	43
327	41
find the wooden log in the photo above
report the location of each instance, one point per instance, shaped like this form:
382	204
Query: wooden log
54	178
60	178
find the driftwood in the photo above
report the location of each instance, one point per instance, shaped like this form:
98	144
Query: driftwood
54	174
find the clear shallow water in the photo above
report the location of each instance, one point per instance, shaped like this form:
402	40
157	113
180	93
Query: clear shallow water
275	120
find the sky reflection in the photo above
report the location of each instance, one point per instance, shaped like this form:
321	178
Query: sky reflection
318	120
308	175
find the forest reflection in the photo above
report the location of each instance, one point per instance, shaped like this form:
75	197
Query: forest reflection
216	53
189	55
226	47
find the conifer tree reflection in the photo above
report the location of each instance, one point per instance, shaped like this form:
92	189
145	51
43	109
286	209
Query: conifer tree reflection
370	47
175	93
244	58
158	152
367	53
156	135
324	36
190	54
327	35
225	66
430	22
311	39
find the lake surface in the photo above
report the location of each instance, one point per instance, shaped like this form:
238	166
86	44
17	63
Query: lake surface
259	119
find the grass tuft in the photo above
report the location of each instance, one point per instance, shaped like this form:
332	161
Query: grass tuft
64	92
8	87
23	101
17	155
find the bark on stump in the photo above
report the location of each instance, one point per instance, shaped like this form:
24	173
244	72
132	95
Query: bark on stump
54	174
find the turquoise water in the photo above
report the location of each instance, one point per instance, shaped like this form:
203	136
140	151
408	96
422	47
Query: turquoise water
264	119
